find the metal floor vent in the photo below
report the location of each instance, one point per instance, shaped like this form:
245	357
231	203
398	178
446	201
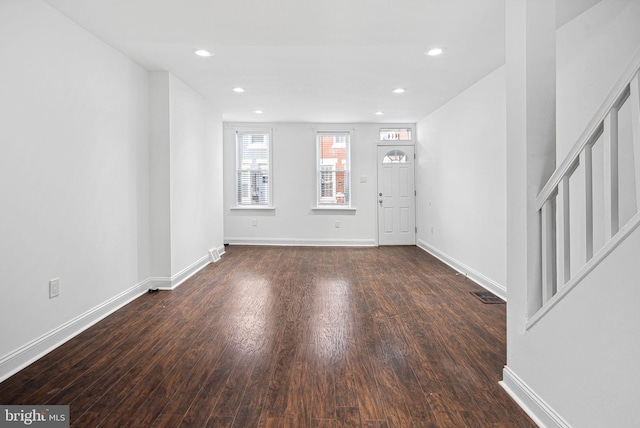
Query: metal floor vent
214	255
487	297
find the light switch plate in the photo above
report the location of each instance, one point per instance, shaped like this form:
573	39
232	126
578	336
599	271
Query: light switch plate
54	288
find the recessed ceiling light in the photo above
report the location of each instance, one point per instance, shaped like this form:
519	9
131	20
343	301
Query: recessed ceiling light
435	52
258	111
238	90
379	113
399	90
202	52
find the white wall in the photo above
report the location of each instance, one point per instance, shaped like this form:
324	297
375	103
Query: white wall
110	179
160	164
73	172
186	180
294	222
461	173
195	176
592	51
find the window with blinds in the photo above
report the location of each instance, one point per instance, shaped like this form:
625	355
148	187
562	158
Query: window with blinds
333	169
253	159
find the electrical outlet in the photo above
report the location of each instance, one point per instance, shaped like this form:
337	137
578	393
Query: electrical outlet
54	288
337	224
255	222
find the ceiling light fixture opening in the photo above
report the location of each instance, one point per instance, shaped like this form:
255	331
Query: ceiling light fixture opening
379	113
399	91
258	111
435	52
238	90
202	52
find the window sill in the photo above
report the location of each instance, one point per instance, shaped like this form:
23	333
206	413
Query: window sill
253	207
341	209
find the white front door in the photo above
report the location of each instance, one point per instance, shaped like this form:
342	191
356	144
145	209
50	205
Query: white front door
396	196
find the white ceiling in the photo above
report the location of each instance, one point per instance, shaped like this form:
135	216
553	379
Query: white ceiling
313	61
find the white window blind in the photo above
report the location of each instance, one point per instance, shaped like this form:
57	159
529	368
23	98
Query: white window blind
253	180
333	169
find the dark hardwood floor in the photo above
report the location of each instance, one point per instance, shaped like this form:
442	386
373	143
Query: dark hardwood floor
289	337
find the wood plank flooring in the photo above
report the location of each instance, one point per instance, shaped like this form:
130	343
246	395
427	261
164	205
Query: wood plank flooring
289	337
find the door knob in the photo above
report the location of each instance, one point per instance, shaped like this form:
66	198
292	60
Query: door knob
379	194
380	201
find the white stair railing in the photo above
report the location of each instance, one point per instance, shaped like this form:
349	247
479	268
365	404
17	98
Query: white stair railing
556	202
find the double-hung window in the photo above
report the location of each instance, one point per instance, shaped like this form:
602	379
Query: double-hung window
333	169
253	168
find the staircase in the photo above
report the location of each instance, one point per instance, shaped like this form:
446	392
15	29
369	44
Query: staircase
592	201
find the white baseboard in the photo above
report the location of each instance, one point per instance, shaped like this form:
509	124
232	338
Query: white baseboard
537	409
166	283
37	348
294	242
189	271
159	283
497	289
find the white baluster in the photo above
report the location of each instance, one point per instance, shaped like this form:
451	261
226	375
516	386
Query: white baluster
611	215
586	159
548	252
564	246
634	99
